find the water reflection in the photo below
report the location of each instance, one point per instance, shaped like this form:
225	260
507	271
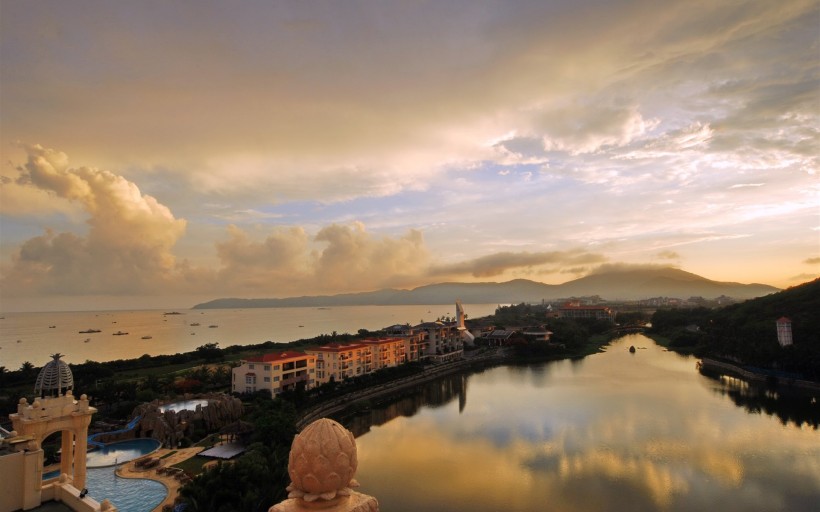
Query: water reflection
619	431
433	395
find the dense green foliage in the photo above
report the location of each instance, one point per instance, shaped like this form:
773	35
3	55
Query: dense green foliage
746	332
257	479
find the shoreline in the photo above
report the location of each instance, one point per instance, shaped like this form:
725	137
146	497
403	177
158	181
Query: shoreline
714	364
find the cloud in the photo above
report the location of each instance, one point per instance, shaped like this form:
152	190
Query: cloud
129	239
353	259
668	255
804	278
496	264
628	267
812	261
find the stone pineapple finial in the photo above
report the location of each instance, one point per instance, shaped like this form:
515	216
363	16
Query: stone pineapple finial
321	466
322	462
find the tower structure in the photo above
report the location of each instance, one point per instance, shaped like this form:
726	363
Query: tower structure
784	331
54	410
466	335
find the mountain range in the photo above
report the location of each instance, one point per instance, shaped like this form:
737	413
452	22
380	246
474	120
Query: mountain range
611	284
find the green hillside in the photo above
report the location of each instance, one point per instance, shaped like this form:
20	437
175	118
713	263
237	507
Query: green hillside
746	332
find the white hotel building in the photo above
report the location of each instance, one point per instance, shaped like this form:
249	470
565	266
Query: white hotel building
277	372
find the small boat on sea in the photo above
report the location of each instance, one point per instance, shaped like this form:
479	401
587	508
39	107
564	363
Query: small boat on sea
52	326
147	337
120	333
86	340
632	349
213	326
89	331
195	324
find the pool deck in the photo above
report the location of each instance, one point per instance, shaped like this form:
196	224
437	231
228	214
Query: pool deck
129	470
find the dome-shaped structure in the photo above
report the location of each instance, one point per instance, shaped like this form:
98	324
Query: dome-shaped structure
54	379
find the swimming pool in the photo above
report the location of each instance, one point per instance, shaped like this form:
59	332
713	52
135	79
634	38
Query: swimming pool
123	451
185	405
129	495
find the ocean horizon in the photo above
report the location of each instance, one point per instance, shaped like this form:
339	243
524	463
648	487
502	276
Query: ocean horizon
128	334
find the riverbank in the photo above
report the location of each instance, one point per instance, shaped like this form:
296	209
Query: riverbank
473	360
713	364
478	359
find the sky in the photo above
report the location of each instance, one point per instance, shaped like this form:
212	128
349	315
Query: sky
160	153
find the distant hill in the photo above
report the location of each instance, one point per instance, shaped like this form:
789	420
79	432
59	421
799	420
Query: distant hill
613	284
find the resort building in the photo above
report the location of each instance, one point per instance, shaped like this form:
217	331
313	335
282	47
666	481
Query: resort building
387	352
338	362
784	331
414	340
575	310
443	341
276	372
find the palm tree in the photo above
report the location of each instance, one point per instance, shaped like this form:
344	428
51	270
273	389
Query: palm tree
27	368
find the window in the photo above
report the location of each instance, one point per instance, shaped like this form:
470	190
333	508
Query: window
267	367
276	379
250	366
250	379
312	370
267	379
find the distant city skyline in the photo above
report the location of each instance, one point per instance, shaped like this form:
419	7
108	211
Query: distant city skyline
162	154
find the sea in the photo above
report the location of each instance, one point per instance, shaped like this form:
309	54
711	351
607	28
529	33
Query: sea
34	337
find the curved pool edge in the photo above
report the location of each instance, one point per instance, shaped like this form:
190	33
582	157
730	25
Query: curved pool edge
158	506
119	463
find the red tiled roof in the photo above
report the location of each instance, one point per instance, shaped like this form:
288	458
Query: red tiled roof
335	347
382	341
277	356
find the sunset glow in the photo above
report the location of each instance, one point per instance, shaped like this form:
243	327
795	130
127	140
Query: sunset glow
164	153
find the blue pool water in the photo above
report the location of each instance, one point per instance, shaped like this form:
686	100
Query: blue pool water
186	405
124	451
129	495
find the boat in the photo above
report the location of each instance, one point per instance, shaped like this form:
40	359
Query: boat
147	337
89	331
632	349
86	340
195	324
213	326
172	313
52	326
120	333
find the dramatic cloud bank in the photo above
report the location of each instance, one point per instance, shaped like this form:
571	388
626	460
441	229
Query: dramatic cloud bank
302	148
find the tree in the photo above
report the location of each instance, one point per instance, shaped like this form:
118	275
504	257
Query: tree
27	369
210	352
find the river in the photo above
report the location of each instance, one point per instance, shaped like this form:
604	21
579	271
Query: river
34	336
613	431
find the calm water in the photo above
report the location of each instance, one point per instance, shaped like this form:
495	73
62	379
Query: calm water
614	431
128	494
120	452
174	333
